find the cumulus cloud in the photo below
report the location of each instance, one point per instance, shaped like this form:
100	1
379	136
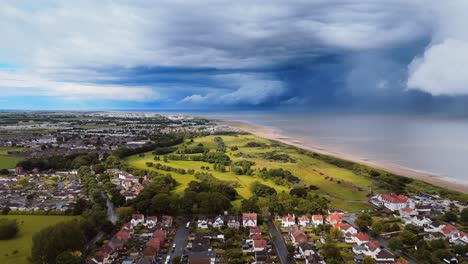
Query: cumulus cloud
442	70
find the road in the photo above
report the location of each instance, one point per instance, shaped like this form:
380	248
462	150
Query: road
278	243
180	238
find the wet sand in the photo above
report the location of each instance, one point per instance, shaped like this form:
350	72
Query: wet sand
269	133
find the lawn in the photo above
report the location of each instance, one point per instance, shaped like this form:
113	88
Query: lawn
343	187
6	161
28	226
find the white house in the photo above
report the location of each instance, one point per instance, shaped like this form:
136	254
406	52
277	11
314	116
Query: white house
151	221
346	228
288	221
418	220
370	249
249	219
202	223
218	222
317	220
304	220
394	202
434	227
137	219
359	238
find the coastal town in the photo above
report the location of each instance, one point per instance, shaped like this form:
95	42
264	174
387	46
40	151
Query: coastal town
133	183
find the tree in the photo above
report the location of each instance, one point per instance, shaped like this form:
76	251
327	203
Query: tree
395	244
407	237
68	257
368	260
450	216
6	210
52	241
8	229
335	233
464	216
125	214
377	229
331	252
363	221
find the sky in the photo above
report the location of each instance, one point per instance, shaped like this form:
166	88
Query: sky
314	55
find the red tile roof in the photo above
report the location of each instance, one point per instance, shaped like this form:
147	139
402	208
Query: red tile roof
448	229
361	236
260	243
373	245
393	198
304	218
249	216
137	216
123	234
288	218
335	218
317	217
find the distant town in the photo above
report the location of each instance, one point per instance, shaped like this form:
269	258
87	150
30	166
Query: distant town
146	188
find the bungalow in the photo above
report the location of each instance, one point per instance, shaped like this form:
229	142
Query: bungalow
317	220
151	221
384	256
304	221
137	219
370	249
233	221
167	220
254	231
288	221
249	219
298	236
202	223
359	238
435	227
334	219
408	212
346	228
394	202
449	230
218	221
259	244
418	220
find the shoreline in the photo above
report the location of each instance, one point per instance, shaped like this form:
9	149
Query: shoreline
270	133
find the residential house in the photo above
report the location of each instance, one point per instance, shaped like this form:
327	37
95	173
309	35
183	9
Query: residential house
317	220
288	221
254	231
334	219
259	244
249	219
304	221
218	221
417	220
449	230
298	236
370	249
262	257
394	202
359	238
202	223
346	228
151	221
137	219
435	227
384	256
202	257
167	220
233	221
408	212
305	249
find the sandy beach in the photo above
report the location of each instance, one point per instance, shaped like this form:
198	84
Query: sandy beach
269	133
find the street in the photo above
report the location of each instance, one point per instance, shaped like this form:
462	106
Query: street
278	242
180	238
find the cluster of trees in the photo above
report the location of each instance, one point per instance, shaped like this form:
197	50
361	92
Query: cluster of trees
112	191
199	148
8	228
279	176
164	150
163	167
90	186
262	190
283	203
73	161
277	156
160	184
242	167
56	244
254	144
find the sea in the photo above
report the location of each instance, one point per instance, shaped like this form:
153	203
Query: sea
432	144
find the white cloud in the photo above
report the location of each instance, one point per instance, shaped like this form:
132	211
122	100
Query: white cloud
442	70
17	84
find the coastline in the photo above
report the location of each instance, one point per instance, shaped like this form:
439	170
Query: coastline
269	133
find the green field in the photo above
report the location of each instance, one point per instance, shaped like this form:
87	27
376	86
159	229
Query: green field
6	161
341	186
28	226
